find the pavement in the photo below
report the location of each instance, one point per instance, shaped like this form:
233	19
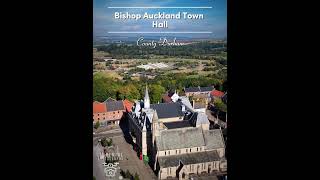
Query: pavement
98	169
130	160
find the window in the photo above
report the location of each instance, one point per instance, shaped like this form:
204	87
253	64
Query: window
104	114
169	152
179	151
197	149
104	118
118	111
114	112
165	153
98	114
176	151
200	148
98	119
186	150
190	149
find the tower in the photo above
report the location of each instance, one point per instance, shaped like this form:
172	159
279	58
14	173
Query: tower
146	100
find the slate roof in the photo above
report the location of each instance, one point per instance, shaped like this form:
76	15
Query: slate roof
199	89
177	124
180	138
213	139
114	105
189	158
206	89
192	89
167	110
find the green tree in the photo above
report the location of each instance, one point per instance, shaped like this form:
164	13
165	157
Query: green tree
130	92
220	105
94	178
156	92
97	125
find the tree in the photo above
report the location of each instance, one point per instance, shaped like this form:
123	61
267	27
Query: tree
97	125
156	92
94	178
220	105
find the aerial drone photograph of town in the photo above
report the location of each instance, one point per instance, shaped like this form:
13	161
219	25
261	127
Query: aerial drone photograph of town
159	89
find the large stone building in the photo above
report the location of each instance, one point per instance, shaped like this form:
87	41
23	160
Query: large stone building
175	139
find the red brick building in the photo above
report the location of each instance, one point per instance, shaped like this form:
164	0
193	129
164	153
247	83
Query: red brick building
110	111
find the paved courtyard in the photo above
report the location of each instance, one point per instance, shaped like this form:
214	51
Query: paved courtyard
130	161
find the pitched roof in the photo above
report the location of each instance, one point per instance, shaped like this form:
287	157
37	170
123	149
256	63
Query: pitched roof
189	158
206	89
180	138
192	89
213	139
128	105
217	93
99	107
110	99
114	105
167	110
199	89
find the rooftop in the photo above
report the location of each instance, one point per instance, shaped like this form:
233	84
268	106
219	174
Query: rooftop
189	158
177	124
168	110
180	138
199	89
114	106
217	93
99	107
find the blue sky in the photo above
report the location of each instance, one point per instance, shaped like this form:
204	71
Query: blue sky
215	19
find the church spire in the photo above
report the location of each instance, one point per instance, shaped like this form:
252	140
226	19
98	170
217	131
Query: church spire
146	99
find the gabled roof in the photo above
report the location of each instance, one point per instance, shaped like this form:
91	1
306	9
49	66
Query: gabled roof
99	107
114	106
217	93
167	110
110	99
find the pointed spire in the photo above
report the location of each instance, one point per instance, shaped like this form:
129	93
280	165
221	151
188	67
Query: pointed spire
146	94
146	99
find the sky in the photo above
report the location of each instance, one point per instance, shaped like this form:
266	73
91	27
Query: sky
215	19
